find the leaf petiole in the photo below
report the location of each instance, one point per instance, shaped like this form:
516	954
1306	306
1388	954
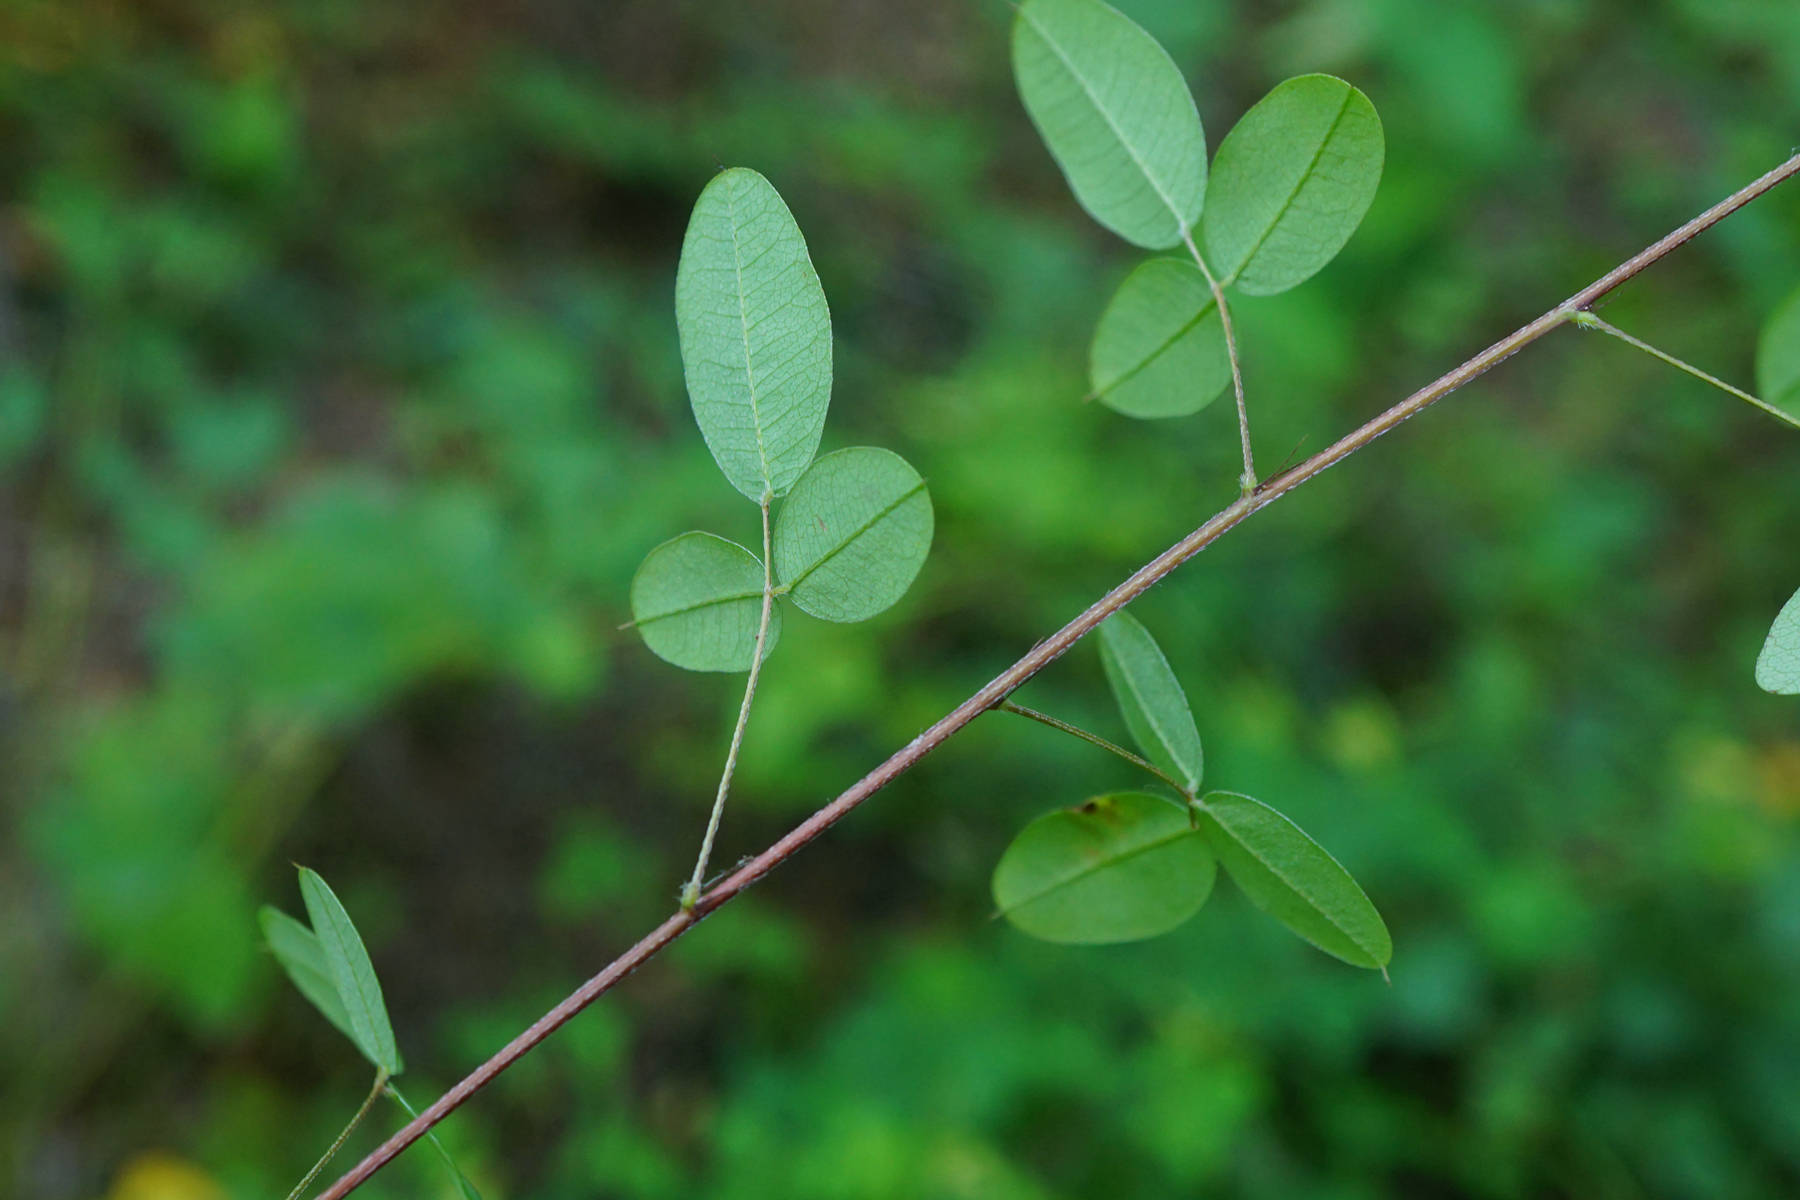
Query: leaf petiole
1094	739
1588	320
462	1181
690	892
1247	481
381	1078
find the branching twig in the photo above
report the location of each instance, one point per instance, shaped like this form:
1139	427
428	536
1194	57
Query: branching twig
1039	657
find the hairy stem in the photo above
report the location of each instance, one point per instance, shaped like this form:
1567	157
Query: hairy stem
1035	660
1094	739
690	893
381	1078
1246	481
1588	320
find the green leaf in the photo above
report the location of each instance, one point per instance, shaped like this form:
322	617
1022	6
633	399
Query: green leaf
1159	350
1292	878
298	951
853	535
1778	667
1778	357
1119	868
351	971
755	334
697	600
1117	116
1150	698
1291	183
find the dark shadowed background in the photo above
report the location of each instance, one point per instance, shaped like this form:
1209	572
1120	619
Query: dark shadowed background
340	396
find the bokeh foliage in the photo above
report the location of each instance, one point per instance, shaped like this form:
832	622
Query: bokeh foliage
341	397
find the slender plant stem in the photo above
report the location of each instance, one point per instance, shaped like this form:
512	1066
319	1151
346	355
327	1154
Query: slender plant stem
691	892
1094	739
1035	660
1588	320
1246	481
381	1078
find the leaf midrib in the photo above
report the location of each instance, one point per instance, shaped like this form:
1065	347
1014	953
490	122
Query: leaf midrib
1130	150
698	605
1293	886
844	544
1144	363
737	262
1318	153
1155	725
1095	868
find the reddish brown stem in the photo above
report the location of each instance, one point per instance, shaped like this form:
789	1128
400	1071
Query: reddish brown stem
1039	657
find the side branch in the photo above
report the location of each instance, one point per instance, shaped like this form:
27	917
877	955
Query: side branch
1039	657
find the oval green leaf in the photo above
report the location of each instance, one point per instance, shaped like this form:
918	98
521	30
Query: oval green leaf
298	951
1159	350
1117	869
852	536
347	962
697	600
1778	357
1292	878
1150	698
755	334
1291	183
1778	666
1117	116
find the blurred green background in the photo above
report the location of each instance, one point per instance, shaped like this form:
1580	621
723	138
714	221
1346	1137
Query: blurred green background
339	398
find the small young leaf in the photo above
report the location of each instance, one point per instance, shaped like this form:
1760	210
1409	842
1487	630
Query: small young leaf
351	971
1292	878
853	535
1117	116
1117	869
755	334
1778	357
1150	698
697	600
298	951
1778	667
1291	183
1159	350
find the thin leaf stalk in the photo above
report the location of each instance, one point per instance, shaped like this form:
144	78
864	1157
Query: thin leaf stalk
1041	655
462	1181
690	893
1590	320
1094	739
381	1078
1246	481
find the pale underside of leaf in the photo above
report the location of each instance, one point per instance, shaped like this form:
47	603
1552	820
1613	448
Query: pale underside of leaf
1295	880
1778	666
348	962
1290	184
1159	349
1120	868
852	535
755	334
1116	115
1778	357
298	951
1150	698
697	602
